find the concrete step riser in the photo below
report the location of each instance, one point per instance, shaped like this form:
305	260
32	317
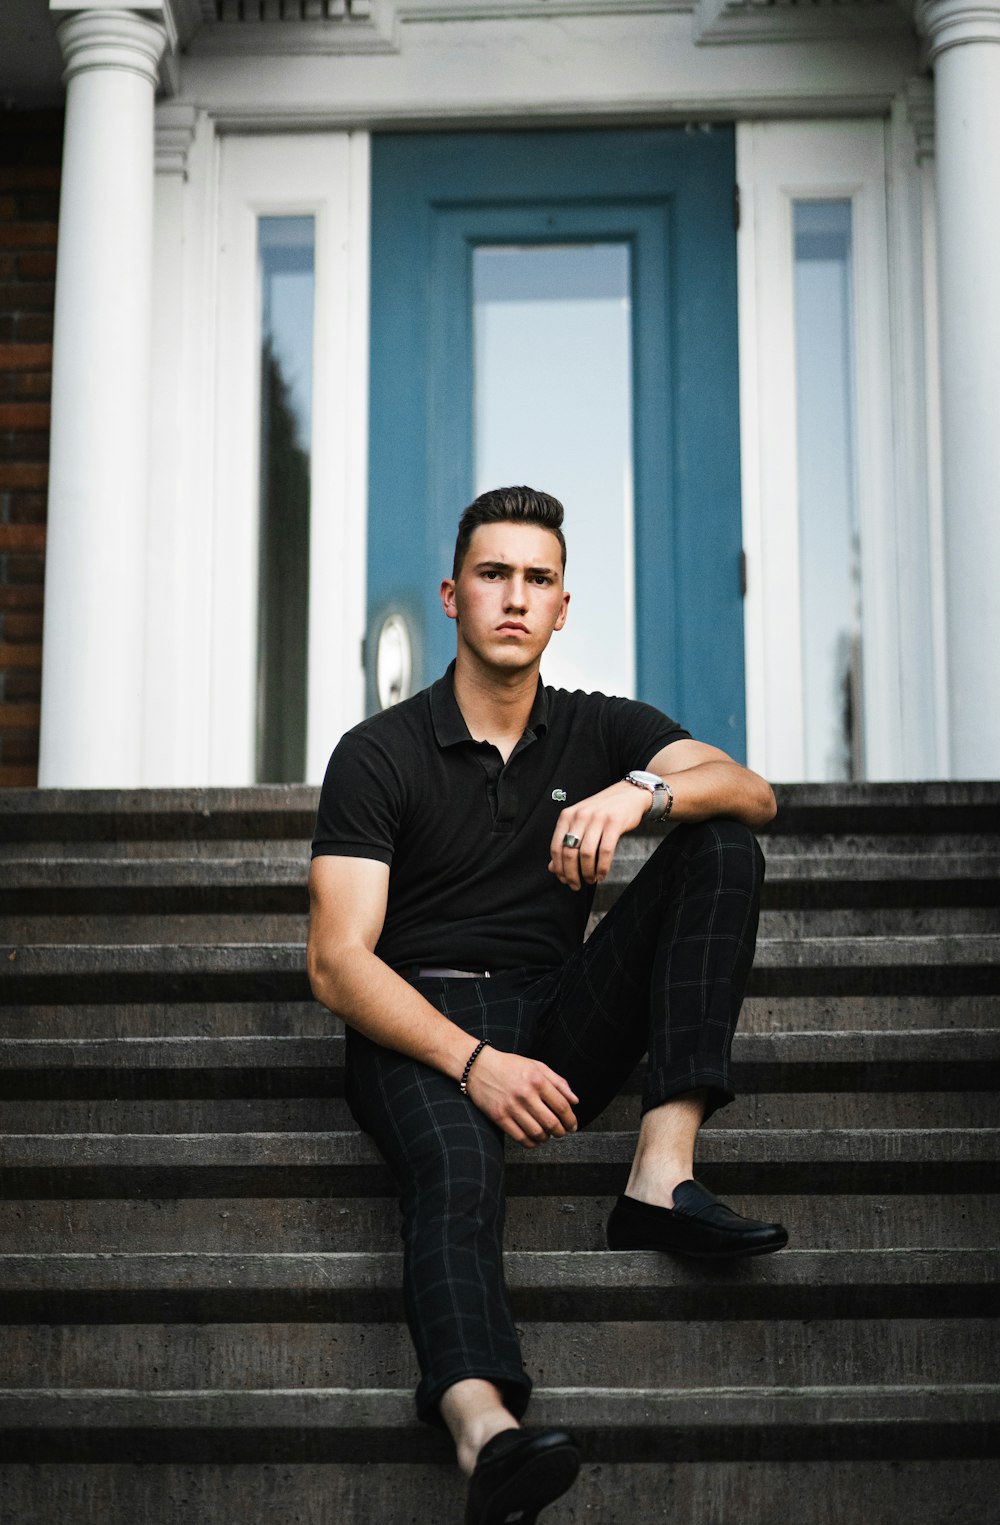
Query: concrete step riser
319	1225
939	978
640	1425
906	919
793	1177
674	1353
852	1492
913	1109
307	1019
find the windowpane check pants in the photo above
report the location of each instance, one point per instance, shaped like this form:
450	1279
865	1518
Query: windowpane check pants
664	972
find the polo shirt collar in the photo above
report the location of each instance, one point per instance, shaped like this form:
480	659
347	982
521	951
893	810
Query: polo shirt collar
449	722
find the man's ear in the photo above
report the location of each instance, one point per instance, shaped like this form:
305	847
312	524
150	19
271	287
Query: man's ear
448	598
560	622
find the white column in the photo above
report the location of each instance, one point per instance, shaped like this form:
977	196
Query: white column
964	38
92	652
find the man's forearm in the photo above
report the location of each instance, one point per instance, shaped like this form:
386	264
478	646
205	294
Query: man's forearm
374	999
721	788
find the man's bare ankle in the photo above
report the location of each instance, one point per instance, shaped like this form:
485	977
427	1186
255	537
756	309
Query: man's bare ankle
474	1412
657	1188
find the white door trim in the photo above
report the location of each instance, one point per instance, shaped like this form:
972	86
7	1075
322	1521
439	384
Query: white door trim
324	175
777	164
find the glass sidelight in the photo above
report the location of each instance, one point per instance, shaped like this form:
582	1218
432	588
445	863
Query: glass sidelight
286	256
829	536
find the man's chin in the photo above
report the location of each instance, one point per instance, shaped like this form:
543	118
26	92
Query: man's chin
509	656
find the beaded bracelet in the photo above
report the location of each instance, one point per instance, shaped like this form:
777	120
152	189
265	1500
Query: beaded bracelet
463	1084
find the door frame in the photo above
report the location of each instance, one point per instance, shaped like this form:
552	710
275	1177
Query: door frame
688	451
325	175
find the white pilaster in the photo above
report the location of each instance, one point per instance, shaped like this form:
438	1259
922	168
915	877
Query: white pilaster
964	46
94	575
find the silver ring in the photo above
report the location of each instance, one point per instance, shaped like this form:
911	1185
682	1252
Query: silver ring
570	841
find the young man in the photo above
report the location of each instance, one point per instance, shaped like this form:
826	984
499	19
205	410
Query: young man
451	887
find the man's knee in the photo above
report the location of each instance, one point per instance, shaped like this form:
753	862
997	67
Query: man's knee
727	851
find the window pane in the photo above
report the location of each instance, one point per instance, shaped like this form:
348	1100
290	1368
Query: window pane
286	257
552	332
829	541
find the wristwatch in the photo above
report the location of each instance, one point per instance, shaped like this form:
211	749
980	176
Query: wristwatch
663	795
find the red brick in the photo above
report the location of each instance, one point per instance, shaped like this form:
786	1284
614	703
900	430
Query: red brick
22	716
25	357
28	235
13	654
36	266
26	686
33	177
21	627
27	296
24	474
25	570
25	415
33	327
19	598
8	266
19	747
9	207
22	537
18	778
28	383
23	449
26	507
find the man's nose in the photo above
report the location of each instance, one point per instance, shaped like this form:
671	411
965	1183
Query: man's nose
517	593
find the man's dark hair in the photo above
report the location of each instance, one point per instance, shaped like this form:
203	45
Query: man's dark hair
509	505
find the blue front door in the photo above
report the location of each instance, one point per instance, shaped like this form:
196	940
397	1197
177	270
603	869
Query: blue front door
665	197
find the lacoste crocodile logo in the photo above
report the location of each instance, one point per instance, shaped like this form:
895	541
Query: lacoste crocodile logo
559	795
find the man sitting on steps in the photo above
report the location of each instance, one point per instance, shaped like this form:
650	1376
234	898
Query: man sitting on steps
451	887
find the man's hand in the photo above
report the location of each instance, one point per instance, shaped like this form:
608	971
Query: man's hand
530	1102
599	821
704	782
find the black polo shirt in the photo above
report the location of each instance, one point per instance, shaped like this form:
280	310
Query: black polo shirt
466	836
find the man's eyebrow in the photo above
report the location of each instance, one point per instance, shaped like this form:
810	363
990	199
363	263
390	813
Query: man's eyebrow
505	566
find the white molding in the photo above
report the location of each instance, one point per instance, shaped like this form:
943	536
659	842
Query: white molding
376	31
955	23
572	70
108	38
920	112
739	21
174	133
176	691
917	491
278	176
778	164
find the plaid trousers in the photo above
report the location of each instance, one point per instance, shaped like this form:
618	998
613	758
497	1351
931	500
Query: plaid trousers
664	972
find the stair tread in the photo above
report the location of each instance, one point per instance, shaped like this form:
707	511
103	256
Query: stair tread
332	1270
578	1408
861	862
293	1149
83	958
863	1046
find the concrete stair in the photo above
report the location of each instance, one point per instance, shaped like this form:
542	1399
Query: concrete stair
199	1253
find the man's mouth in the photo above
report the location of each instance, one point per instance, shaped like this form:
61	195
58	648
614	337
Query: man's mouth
513	625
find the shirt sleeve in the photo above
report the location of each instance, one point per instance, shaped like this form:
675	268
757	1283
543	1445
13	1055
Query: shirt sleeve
635	732
361	802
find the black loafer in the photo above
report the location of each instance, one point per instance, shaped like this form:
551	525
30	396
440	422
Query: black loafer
518	1472
698	1225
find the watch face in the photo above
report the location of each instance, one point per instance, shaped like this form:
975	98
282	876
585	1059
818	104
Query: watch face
647	780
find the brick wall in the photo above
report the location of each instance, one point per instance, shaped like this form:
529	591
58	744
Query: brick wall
30	155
